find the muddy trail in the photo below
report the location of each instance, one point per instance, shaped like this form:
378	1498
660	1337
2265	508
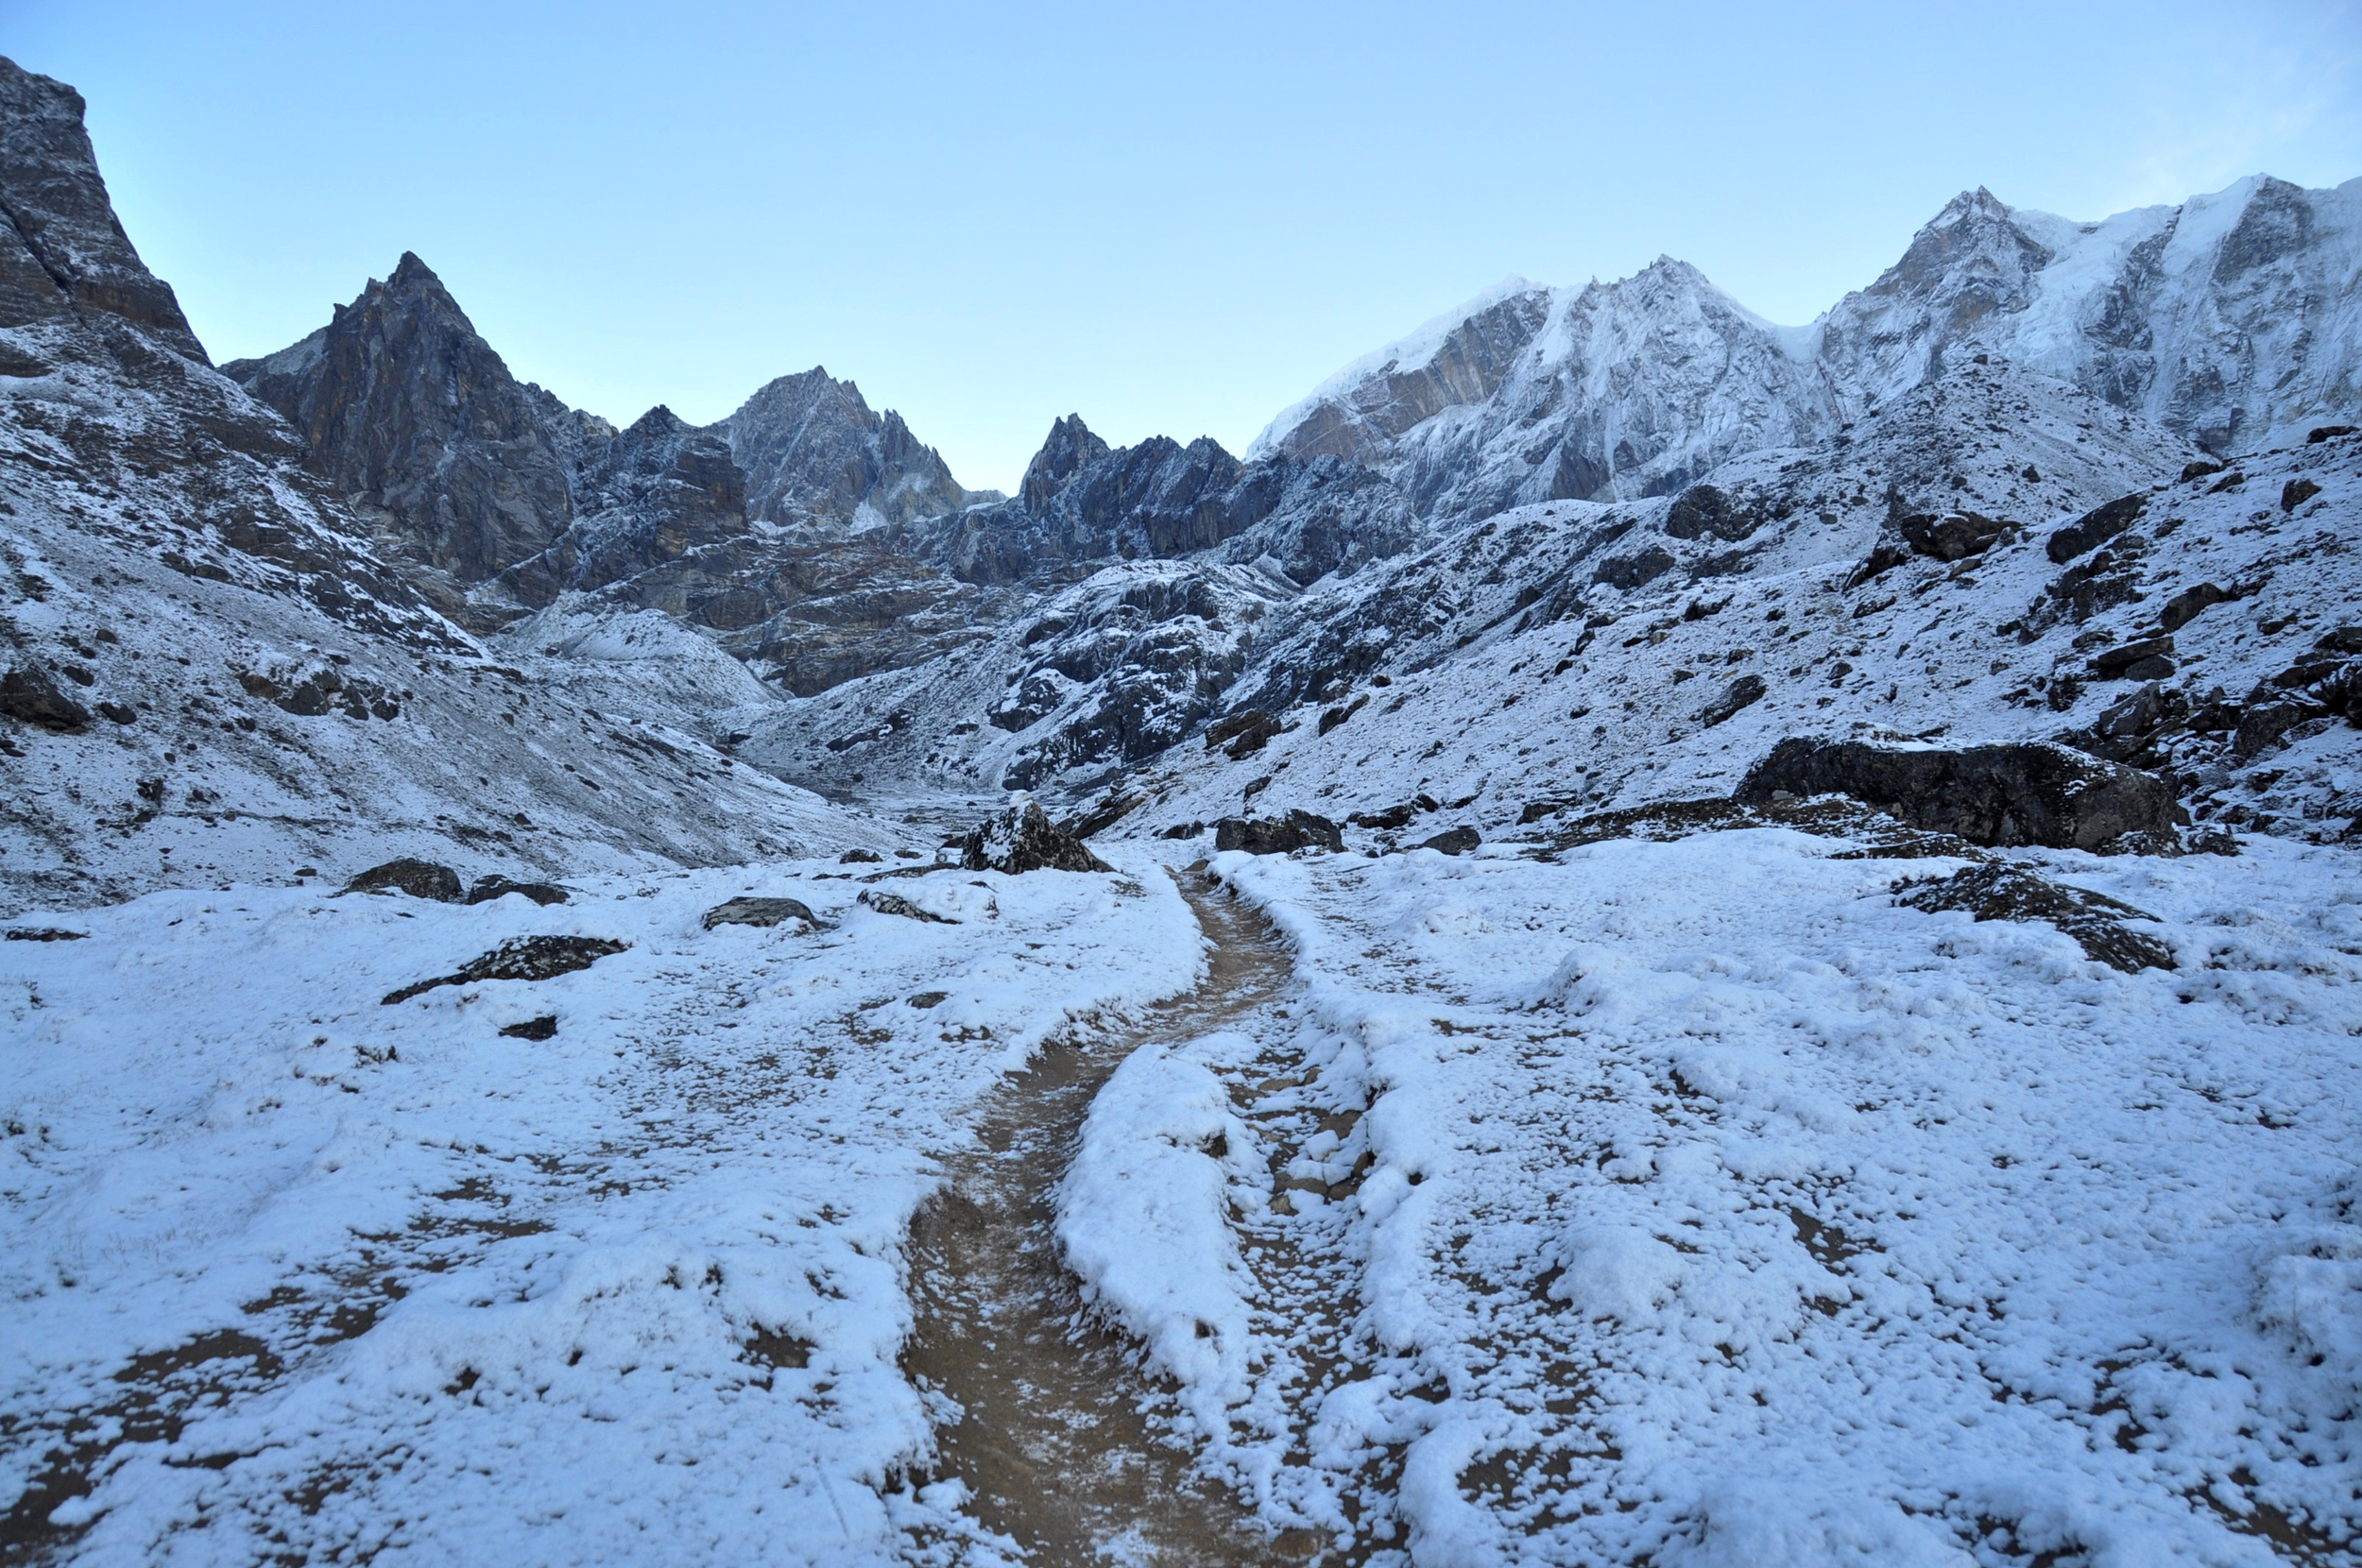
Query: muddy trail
1051	1444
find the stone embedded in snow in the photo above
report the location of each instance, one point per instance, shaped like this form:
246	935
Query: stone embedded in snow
542	1028
490	888
523	958
26	692
894	903
1298	830
1454	841
1023	838
761	911
1996	890
416	878
2032	794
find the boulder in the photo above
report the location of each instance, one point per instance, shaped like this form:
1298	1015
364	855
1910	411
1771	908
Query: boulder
1298	830
760	911
2098	526
1454	841
27	693
1952	536
1742	693
859	857
2025	794
1998	891
2150	659
490	888
523	958
2330	433
1023	838
418	879
2296	493
543	1028
2188	605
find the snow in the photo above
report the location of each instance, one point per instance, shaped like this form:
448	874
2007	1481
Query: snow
1750	1219
557	1262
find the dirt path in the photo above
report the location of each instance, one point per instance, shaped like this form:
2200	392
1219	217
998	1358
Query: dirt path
1051	1444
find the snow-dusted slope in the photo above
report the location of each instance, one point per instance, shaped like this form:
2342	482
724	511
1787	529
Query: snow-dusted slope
2232	320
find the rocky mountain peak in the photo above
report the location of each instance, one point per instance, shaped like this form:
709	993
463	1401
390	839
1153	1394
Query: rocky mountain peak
404	407
814	451
1070	446
63	249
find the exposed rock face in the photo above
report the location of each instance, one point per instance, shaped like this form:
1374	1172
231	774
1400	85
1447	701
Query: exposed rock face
1023	838
63	253
1996	890
402	405
1298	830
812	449
1084	502
2033	793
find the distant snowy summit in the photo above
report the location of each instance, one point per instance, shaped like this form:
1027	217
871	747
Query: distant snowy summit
2230	320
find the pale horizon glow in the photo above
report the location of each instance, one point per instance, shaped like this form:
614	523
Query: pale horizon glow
1170	220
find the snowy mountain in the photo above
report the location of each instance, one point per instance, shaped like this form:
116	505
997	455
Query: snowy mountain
1700	944
2230	320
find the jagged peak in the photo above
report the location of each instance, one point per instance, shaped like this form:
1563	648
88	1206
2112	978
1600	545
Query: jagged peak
412	273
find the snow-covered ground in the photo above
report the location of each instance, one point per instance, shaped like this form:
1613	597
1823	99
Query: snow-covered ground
292	1273
1694	1202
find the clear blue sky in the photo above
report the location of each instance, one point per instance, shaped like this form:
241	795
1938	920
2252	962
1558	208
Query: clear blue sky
1170	219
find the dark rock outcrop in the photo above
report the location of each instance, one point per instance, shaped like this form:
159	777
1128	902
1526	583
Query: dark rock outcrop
523	958
403	406
2097	527
62	252
28	694
1298	830
1454	841
2031	794
1951	536
812	449
1023	838
416	878
1998	891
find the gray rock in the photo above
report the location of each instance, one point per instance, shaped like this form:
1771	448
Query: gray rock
2120	663
1998	891
543	1028
1454	841
2030	794
1023	838
760	911
27	693
1298	830
1743	692
416	878
523	958
490	888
